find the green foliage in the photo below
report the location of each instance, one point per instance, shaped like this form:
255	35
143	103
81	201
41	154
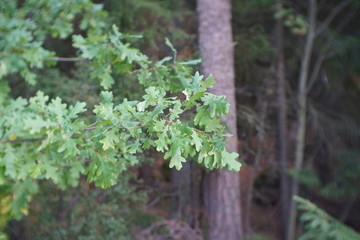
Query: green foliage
296	22
88	213
44	137
306	176
346	175
22	37
319	225
153	19
253	41
343	177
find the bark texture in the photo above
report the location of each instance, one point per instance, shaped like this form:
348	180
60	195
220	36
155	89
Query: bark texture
221	188
282	122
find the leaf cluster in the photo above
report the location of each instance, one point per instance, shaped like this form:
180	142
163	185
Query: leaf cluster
45	138
88	213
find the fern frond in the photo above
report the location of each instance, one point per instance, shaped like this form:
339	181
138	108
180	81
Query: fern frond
320	225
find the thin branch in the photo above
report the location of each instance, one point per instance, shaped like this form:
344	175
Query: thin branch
64	59
316	71
336	10
324	57
153	68
91	126
24	140
158	198
147	70
346	20
203	132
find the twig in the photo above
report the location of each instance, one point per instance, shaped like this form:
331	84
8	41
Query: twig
346	20
315	72
157	199
64	59
203	132
152	69
91	126
336	10
24	140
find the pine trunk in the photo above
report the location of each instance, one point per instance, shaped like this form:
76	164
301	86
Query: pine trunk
221	187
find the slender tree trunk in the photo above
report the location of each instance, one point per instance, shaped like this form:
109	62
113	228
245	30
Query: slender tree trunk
185	205
301	115
282	122
221	188
248	173
181	202
248	193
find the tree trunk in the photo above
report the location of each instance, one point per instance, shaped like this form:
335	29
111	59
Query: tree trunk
253	171
185	204
221	188
282	122
301	115
181	202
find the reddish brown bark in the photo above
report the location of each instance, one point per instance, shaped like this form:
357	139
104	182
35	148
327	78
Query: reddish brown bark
221	188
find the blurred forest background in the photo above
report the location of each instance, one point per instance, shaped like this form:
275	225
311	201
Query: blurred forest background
297	87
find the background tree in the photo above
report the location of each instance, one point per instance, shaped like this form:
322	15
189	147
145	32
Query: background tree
46	139
282	118
301	112
216	47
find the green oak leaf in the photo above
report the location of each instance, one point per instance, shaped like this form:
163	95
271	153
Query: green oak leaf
75	110
106	96
229	160
141	106
104	74
169	44
51	172
38	102
35	125
9	161
22	192
176	162
110	139
162	142
57	108
134	147
88	51
160	126
217	104
203	119
69	146
175	148
208	83
175	111
75	171
197	141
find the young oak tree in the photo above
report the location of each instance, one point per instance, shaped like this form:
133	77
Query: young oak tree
43	138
